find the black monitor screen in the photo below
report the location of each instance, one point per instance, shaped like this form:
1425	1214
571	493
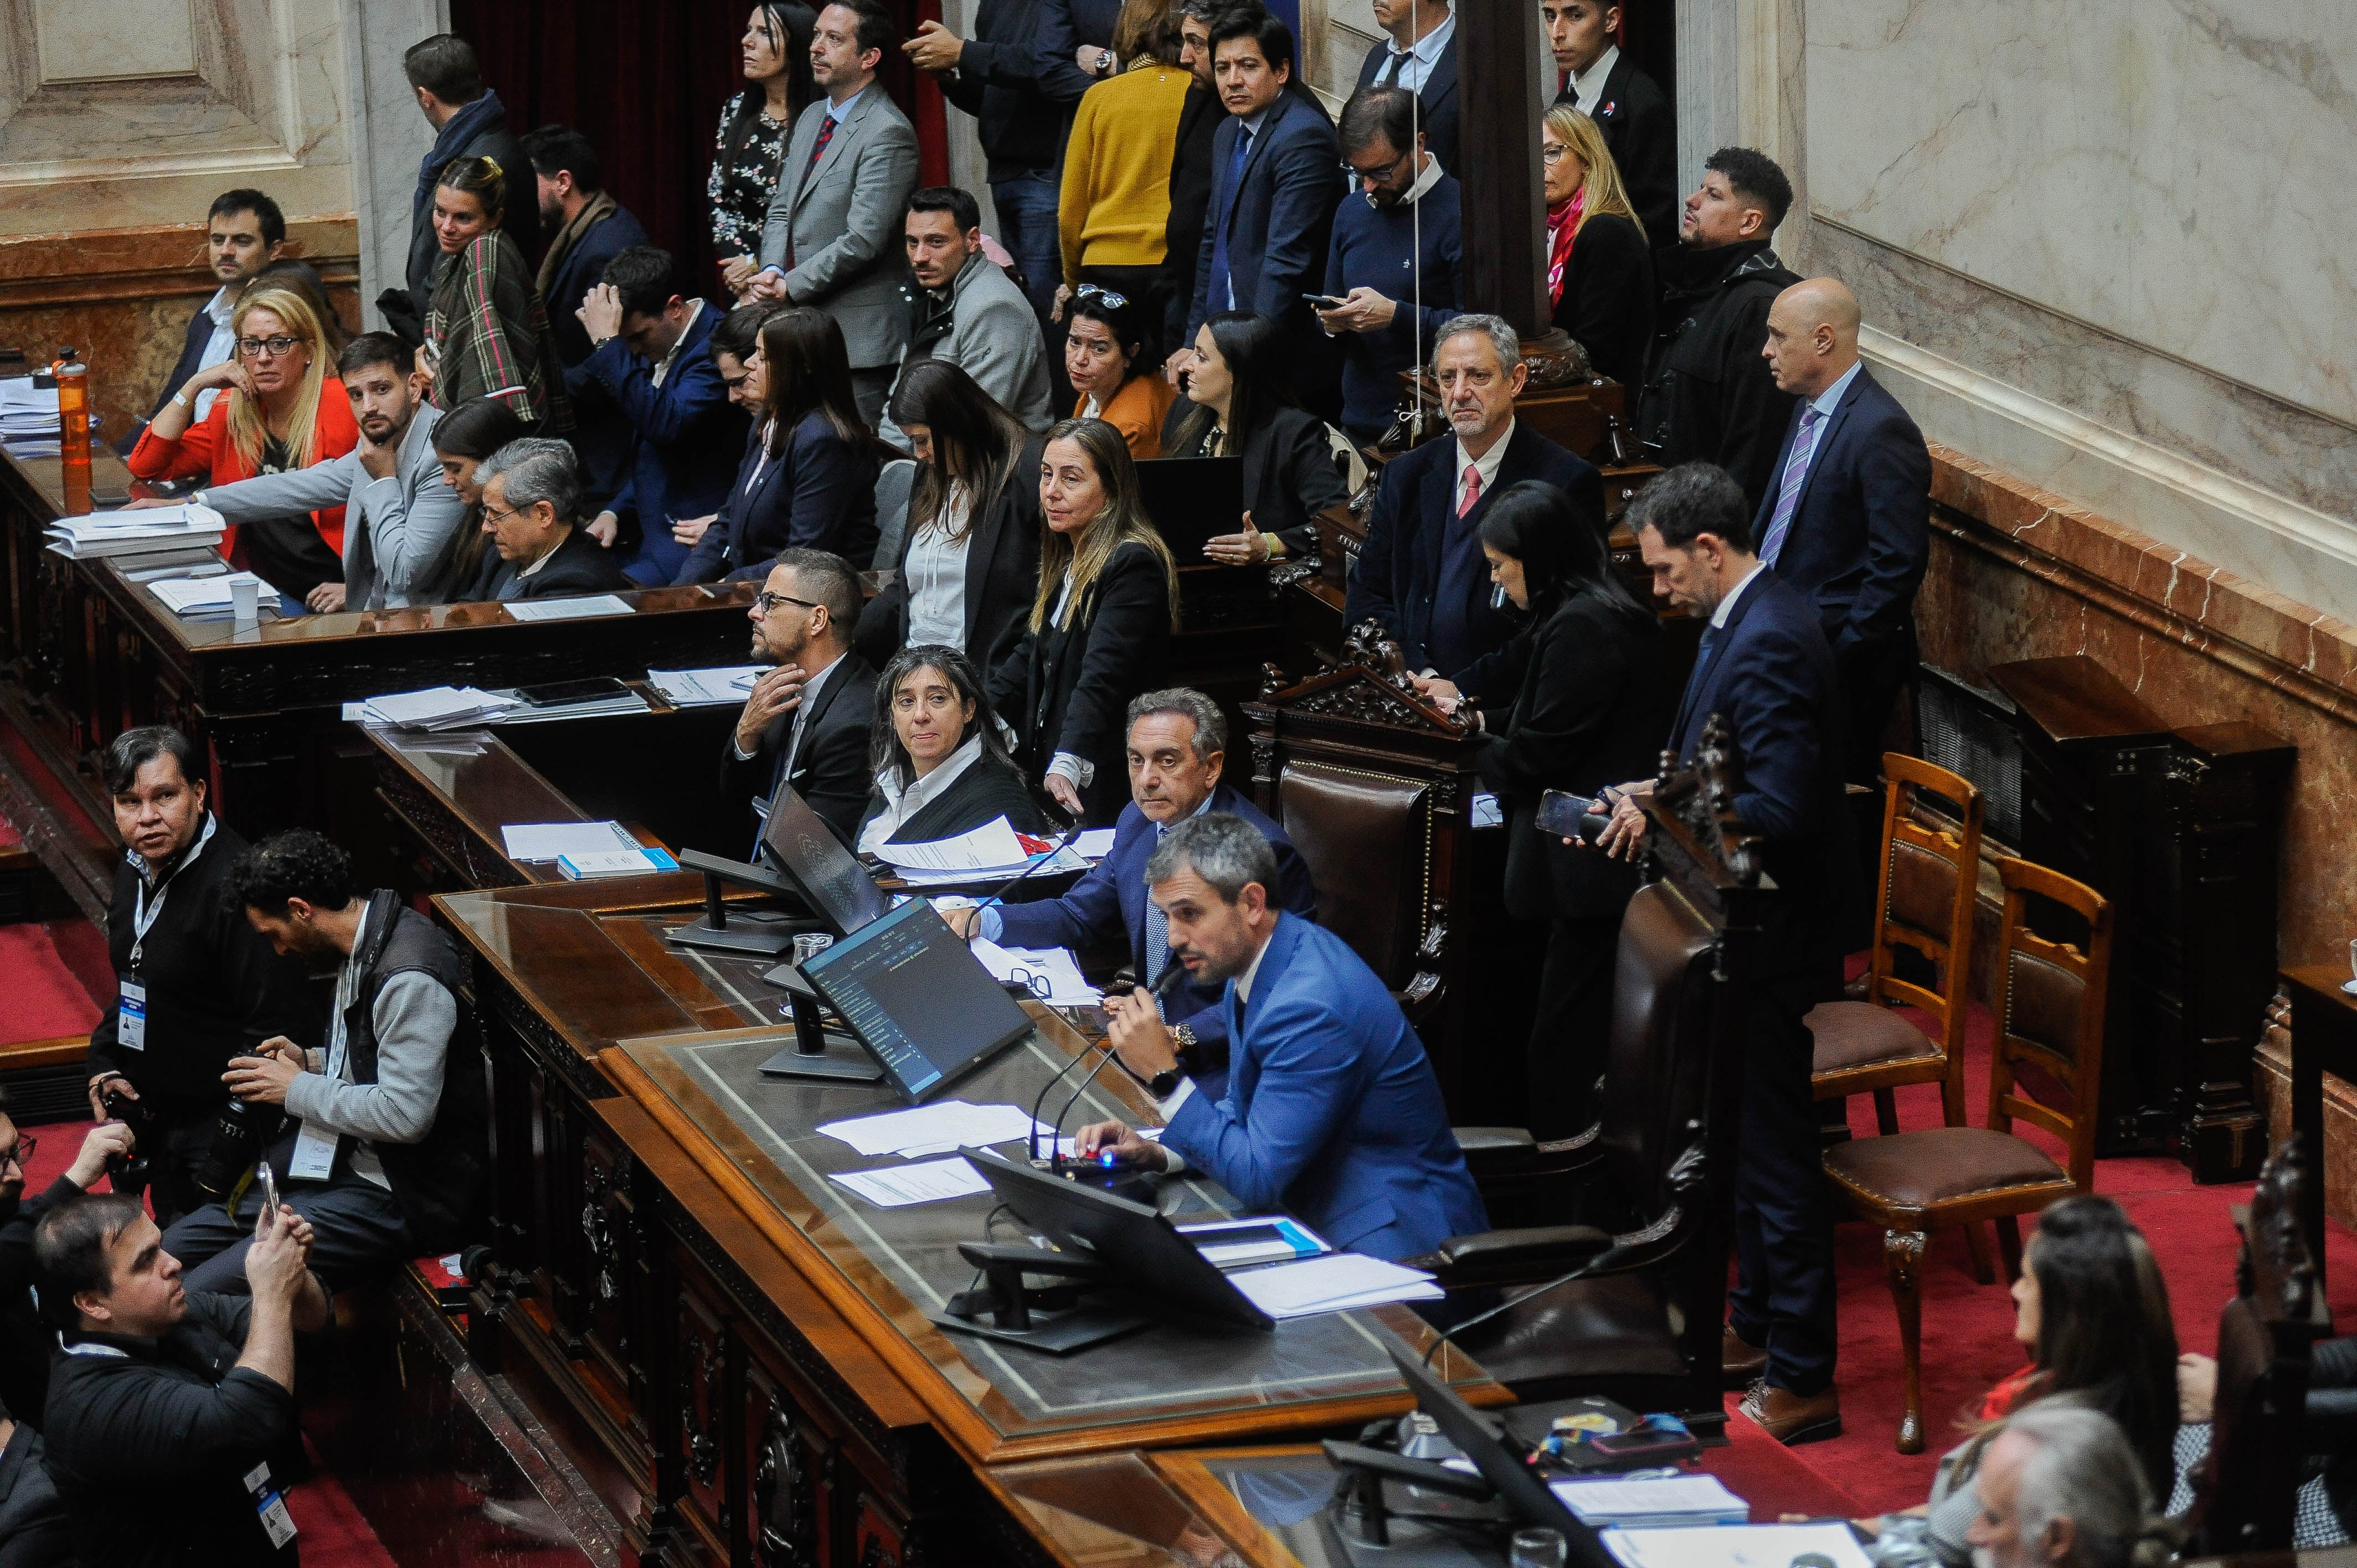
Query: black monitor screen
798	842
1192	500
917	998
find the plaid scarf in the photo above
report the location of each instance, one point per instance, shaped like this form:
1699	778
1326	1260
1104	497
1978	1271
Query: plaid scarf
490	336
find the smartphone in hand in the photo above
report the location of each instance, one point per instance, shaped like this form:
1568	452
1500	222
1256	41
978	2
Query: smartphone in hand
1570	816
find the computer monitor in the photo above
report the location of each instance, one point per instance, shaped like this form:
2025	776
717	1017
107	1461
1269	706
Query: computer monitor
798	842
1192	501
917	999
1524	1495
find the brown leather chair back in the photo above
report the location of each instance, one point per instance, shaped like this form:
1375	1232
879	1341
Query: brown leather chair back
2048	1065
1658	1058
1929	876
1367	839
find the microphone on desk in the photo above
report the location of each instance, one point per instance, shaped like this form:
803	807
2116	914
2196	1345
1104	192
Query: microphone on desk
1610	1258
1173	971
1000	897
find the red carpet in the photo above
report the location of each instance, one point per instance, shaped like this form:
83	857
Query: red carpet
45	1000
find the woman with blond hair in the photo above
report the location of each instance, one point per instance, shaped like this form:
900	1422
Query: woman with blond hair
1100	626
487	332
283	409
1599	273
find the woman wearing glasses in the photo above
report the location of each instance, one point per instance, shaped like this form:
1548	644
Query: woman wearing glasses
941	767
1100	626
1113	377
284	411
1238	404
1599	273
487	332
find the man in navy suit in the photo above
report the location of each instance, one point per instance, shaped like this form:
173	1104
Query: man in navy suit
587	229
653	360
1594	78
1764	665
1421	572
1274	186
1848	520
1177	744
1420	56
1332	1110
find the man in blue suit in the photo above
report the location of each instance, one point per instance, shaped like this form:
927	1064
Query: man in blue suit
1420	56
1848	520
1421	572
1177	744
653	358
1332	1112
587	229
1764	666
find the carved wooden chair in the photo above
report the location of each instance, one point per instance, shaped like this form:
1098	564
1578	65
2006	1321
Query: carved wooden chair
2048	1056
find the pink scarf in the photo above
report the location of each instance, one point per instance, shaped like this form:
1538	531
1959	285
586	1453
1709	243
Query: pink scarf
1563	222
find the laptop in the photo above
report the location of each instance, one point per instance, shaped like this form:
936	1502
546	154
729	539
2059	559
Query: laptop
917	999
1192	501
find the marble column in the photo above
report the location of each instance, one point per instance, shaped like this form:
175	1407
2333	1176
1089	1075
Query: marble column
389	137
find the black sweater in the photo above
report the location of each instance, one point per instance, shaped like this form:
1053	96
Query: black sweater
214	988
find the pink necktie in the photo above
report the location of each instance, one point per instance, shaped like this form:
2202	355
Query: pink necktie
1472	490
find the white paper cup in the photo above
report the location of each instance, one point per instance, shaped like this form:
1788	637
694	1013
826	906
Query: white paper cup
245	602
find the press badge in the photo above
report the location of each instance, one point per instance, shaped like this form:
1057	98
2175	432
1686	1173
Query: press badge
315	1154
130	1019
276	1520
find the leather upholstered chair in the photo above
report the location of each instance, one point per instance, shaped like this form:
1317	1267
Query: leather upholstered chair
2046	1069
1367	839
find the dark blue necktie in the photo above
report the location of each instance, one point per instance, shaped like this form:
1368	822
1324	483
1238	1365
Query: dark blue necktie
1221	294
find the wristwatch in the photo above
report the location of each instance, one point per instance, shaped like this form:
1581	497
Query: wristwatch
1104	62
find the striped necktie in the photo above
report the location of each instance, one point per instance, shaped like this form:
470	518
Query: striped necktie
1796	474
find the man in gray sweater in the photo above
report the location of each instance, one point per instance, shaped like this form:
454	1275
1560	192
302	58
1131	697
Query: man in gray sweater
387	1142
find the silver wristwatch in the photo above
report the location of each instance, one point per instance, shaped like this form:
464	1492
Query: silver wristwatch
1104	62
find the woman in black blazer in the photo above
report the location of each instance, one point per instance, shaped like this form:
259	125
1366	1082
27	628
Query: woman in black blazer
1599	272
808	477
969	563
1099	633
1593	709
1237	403
942	767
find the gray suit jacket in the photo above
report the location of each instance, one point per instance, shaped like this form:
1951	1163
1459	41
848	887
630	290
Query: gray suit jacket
843	222
993	337
401	533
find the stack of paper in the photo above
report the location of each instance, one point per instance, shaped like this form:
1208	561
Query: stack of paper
29	413
1094	844
567	609
613	862
554	841
724	686
897	1187
210	599
932	1129
990	853
1029	966
136	533
148	566
1241	1243
622	701
1737	1546
437	708
1339	1282
1652	1503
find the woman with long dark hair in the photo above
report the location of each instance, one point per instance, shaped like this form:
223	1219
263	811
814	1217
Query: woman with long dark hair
1114	377
462	439
941	767
755	125
487	332
1593	707
1100	626
969	561
1239	403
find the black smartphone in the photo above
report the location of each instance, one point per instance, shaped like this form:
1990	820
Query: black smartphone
1645	1446
1562	812
558	693
1325	301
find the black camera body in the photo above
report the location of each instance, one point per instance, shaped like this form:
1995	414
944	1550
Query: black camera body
239	1135
129	1173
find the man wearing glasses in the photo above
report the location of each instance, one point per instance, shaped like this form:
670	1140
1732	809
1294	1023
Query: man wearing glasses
532	491
25	1345
804	725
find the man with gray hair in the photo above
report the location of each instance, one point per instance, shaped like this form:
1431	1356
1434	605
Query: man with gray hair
1331	1110
1422	574
2060	1487
531	489
1178	745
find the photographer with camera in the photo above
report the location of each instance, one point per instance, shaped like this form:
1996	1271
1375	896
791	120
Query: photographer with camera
388	1128
24	1342
171	1410
195	985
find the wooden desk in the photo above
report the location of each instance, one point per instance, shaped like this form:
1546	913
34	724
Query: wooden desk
2323	1039
674	1264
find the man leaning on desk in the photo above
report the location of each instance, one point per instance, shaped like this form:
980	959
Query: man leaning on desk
806	723
1178	743
1331	1111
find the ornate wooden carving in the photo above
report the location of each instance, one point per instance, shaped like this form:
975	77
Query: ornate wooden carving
1703	799
1370	685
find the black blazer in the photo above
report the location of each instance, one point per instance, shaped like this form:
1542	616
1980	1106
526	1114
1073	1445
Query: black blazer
579	565
1643	135
1002	574
1436	100
1608	298
983	794
1593	709
1861	532
1068	689
1288	471
1401	568
831	770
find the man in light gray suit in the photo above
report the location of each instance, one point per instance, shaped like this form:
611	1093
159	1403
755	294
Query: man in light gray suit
832	239
962	307
401	521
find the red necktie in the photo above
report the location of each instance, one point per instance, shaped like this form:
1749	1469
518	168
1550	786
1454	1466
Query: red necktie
818	150
1472	490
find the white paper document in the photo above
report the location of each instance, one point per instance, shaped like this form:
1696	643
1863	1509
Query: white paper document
567	609
726	685
1734	1545
1337	1283
897	1187
435	707
1066	988
1674	1501
927	1129
1094	844
554	841
194	597
990	847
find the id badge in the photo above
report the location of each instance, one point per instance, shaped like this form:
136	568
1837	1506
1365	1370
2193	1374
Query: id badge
315	1154
275	1520
131	1018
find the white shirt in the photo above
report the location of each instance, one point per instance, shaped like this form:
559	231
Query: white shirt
218	349
1586	89
543	561
1185	1089
1428	177
1486	465
936	573
695	309
1726	606
899	804
1830	399
1421	58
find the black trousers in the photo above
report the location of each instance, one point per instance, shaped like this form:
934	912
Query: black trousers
1783	1296
1570	1036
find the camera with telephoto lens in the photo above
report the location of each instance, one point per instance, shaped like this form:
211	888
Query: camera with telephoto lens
239	1138
128	1173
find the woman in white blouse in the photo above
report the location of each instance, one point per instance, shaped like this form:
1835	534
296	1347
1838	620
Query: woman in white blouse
941	767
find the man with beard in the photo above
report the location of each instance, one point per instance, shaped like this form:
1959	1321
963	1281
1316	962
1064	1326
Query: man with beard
401	523
587	229
1331	1110
962	307
804	725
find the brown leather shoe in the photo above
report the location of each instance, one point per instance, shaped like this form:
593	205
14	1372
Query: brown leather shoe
1742	1362
1791	1419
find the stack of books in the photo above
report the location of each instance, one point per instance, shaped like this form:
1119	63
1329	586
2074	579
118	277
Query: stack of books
210	599
138	532
28	417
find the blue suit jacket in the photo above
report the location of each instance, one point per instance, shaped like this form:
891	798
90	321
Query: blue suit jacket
1279	215
1400	569
1771	673
1332	1110
1116	890
820	494
1861	532
1436	99
600	432
684	434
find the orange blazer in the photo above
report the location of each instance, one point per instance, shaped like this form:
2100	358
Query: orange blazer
206	451
1138	411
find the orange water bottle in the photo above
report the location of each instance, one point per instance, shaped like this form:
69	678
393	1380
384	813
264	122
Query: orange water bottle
73	408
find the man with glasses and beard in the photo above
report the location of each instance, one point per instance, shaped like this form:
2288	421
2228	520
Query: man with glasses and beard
804	725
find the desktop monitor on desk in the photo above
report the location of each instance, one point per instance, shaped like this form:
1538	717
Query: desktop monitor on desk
917	999
1192	501
798	841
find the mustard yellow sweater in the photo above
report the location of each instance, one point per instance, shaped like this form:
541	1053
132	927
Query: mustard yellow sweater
1116	197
